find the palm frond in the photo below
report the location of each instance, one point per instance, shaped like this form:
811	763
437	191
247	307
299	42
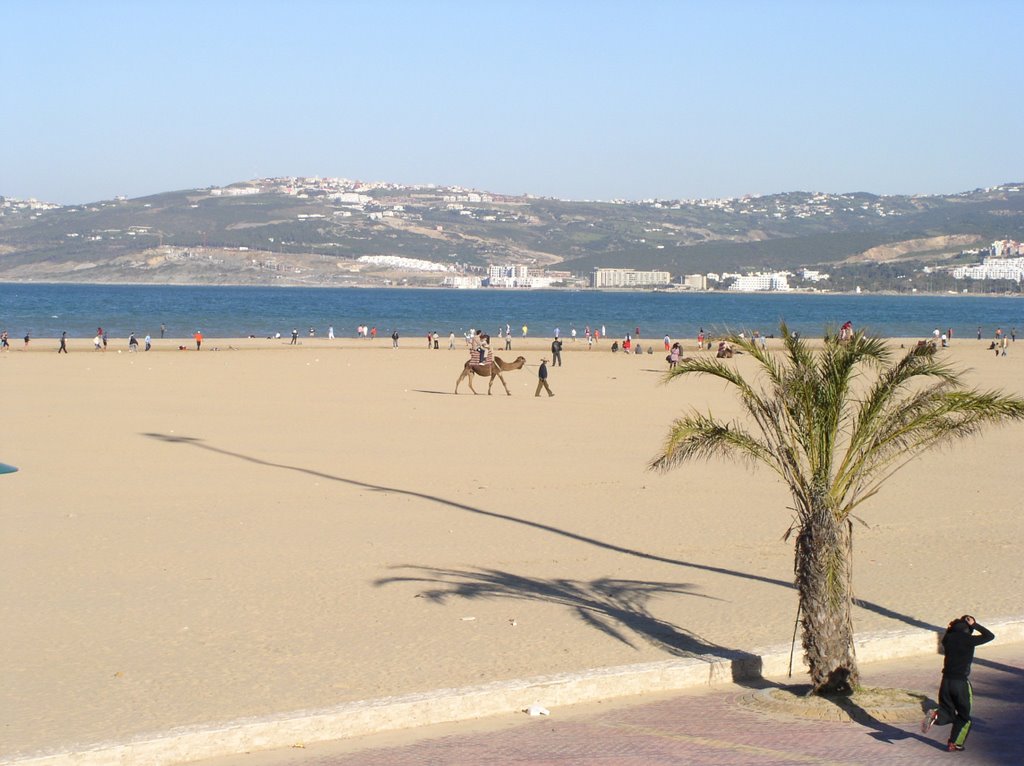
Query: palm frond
698	436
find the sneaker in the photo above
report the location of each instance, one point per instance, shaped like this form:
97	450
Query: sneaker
953	747
929	721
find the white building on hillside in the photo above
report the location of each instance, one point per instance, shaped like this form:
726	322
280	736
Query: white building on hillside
629	278
762	282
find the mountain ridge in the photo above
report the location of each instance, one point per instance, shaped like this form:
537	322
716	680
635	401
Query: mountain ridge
314	230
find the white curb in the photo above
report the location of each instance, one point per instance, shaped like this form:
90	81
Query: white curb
355	719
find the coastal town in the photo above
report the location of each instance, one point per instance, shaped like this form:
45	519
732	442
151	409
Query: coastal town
339	231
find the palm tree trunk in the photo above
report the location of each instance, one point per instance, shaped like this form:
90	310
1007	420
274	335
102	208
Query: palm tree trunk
824	578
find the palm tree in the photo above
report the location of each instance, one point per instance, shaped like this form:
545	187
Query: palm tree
834	422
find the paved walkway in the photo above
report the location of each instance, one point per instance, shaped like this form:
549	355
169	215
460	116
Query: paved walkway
712	727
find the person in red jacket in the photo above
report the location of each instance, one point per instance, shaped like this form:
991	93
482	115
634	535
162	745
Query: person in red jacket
955	693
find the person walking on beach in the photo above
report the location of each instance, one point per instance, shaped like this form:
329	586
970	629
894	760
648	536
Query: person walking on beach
451	340
525	330
1013	334
330	333
163	329
955	693
63	342
394	339
133	343
295	336
27	337
148	341
542	378
979	332
508	342
199	339
5	341
104	340
556	352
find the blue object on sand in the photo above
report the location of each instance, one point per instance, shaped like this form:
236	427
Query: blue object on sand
4	468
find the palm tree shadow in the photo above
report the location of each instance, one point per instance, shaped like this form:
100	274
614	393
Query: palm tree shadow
199	443
882	731
617	608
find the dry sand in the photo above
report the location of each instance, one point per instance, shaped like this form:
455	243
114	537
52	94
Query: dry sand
196	537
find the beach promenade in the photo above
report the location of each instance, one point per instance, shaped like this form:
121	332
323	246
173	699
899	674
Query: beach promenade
718	727
257	529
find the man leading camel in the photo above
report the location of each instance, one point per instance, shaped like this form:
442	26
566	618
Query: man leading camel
542	379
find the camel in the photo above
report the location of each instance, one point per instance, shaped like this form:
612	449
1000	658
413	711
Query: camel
490	371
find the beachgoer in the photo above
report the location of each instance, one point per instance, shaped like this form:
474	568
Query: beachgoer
312	332
163	329
133	343
149	342
5	342
27	337
63	342
373	333
1013	334
955	693
979	333
615	346
199	339
525	330
97	342
573	334
330	332
394	339
451	341
542	378
508	342
674	354
104	340
1003	345
556	352
668	342
436	336
295	336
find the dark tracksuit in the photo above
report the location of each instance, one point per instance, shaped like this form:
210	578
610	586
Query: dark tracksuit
542	380
955	694
556	353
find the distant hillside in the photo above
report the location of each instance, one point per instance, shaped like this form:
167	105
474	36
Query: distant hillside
312	231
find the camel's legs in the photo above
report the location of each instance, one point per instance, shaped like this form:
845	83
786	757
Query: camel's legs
502	379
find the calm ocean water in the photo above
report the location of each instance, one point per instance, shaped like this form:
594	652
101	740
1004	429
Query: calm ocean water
45	310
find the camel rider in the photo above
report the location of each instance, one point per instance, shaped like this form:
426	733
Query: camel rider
479	347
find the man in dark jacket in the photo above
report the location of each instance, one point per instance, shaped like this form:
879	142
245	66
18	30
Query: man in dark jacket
542	379
556	352
955	693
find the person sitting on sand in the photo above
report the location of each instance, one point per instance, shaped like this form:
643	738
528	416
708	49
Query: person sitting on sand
724	350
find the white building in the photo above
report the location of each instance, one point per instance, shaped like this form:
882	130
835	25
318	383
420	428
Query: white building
762	282
694	282
461	283
993	268
629	278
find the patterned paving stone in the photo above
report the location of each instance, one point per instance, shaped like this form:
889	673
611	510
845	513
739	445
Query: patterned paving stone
716	728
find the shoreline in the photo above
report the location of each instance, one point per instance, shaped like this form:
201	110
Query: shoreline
566	290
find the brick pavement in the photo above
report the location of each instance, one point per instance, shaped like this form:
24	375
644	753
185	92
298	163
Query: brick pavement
713	728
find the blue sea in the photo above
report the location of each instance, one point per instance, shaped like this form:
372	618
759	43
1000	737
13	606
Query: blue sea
45	310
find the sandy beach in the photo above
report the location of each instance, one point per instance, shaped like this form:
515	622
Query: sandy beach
260	528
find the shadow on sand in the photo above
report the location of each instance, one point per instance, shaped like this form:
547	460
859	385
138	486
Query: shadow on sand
200	444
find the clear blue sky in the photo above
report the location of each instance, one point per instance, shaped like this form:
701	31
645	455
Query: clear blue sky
583	100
